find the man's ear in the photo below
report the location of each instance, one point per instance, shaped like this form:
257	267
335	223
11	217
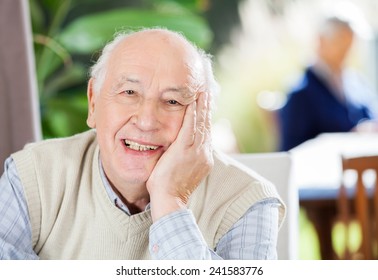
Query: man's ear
91	120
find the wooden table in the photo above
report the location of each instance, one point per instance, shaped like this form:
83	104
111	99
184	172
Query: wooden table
317	174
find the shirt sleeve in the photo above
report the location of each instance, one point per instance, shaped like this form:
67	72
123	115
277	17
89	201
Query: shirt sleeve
254	236
15	228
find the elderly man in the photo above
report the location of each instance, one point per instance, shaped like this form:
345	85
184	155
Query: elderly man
144	182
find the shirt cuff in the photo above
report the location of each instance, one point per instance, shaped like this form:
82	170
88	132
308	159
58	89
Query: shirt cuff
177	236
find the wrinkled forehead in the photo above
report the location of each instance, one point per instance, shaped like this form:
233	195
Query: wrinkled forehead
152	48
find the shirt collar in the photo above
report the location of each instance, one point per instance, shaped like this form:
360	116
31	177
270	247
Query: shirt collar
333	80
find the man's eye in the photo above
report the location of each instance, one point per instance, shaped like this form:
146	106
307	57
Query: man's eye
129	92
173	102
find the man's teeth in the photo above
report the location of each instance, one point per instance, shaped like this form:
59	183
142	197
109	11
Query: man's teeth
138	147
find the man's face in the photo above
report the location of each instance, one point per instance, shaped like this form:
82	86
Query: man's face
338	46
140	108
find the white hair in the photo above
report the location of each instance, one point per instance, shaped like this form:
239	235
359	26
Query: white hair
331	25
347	15
98	70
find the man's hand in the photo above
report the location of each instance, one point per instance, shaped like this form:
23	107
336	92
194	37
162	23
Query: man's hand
186	162
366	126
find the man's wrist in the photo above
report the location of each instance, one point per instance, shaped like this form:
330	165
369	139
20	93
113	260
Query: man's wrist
164	205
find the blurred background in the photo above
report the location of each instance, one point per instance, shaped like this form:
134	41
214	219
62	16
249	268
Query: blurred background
259	48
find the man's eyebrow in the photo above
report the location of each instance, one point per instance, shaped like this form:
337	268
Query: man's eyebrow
184	91
129	79
122	80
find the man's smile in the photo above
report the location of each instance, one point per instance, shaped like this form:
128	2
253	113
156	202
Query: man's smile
139	147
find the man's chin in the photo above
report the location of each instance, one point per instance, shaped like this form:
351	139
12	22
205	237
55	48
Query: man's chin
135	173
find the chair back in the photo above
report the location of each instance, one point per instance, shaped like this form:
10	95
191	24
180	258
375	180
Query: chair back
276	168
362	197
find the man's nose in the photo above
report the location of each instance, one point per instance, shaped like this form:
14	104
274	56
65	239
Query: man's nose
146	117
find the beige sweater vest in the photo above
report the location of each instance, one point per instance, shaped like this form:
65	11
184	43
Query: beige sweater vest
72	216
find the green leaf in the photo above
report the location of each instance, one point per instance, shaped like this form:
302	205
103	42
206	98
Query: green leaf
89	34
64	116
36	16
47	64
192	5
70	76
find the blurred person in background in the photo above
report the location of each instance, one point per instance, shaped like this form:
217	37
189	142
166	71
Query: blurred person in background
328	97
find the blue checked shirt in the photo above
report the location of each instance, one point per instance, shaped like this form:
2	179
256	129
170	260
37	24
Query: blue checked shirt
175	236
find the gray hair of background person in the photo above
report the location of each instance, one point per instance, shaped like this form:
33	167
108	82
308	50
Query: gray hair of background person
331	25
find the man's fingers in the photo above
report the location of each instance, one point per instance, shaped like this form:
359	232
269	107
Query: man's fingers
202	124
188	128
197	122
208	119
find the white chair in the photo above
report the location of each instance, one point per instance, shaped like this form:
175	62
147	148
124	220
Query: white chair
276	167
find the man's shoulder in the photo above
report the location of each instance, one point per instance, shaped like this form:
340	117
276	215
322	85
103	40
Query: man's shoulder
228	170
226	195
305	82
65	147
80	139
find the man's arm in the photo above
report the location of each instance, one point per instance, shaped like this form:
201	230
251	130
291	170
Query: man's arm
15	229
254	236
295	121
